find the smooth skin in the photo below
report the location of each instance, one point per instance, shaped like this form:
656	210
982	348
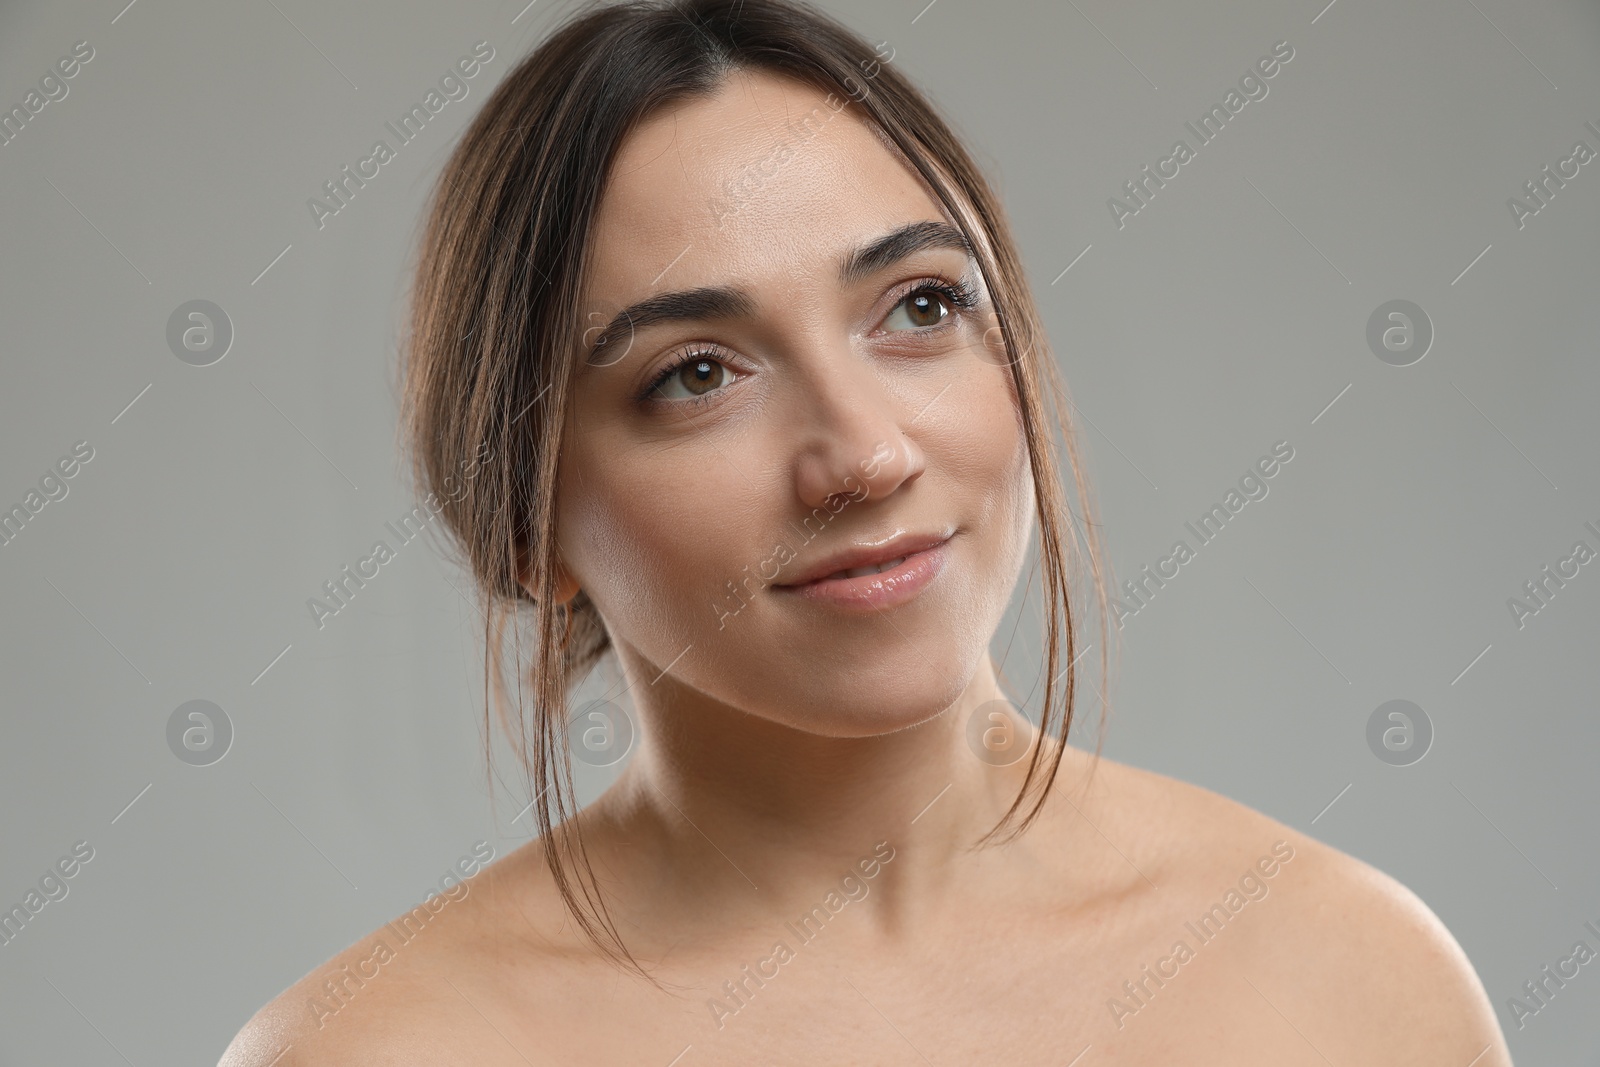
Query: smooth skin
791	740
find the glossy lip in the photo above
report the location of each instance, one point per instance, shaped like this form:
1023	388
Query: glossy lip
925	556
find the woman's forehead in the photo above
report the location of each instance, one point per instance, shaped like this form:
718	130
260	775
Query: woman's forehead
768	178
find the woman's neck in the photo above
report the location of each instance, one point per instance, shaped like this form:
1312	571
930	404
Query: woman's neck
727	813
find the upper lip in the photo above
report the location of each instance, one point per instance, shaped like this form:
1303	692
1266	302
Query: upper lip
869	555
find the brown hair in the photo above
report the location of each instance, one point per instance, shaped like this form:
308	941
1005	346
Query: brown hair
495	323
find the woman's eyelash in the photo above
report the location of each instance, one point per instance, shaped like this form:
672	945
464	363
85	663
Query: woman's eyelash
961	295
674	367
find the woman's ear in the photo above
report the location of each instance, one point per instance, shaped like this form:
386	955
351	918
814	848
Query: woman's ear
566	585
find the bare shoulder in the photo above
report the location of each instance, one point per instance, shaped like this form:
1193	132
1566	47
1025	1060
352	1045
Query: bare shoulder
359	1007
1328	944
407	993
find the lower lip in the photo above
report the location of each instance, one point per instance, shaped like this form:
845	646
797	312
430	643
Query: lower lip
874	592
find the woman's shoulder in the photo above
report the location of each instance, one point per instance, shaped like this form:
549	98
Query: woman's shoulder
1323	939
357	1007
399	995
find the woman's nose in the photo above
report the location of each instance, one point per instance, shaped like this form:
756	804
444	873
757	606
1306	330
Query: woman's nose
851	435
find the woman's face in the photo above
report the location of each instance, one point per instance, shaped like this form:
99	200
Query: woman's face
832	402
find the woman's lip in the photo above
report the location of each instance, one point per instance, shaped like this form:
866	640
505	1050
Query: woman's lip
874	592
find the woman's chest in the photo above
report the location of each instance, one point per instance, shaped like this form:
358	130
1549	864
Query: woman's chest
948	1000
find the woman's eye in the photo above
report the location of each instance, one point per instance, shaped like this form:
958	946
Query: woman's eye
919	310
694	378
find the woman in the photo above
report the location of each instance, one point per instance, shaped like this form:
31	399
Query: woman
723	361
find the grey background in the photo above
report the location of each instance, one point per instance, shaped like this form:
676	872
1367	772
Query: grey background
1224	317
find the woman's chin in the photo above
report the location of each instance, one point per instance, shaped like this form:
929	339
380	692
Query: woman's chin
847	715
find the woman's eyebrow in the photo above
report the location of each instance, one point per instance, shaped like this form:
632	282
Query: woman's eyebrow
687	305
899	243
729	302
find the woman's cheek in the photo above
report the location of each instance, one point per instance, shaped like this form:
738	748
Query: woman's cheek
659	541
994	462
984	443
